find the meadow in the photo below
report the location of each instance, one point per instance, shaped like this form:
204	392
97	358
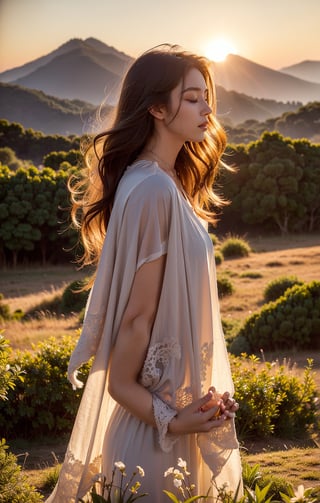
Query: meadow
298	461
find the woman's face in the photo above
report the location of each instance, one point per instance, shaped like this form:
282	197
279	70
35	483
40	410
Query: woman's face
188	110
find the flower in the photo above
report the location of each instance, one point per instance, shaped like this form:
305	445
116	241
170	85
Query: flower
140	471
169	471
182	463
121	466
299	494
177	483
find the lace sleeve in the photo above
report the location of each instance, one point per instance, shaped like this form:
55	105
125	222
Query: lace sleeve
163	414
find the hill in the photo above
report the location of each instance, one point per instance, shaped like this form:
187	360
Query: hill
244	76
34	109
307	70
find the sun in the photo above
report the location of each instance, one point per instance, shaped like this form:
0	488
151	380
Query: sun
217	50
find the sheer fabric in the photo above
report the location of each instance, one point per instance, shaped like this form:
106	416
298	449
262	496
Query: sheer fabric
186	354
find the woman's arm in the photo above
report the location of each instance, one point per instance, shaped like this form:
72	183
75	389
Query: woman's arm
129	354
133	339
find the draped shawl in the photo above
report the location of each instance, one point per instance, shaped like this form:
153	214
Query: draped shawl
187	351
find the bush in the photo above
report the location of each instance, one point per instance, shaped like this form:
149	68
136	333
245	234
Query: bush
14	487
278	287
273	401
73	298
9	374
292	321
233	247
44	403
218	257
4	309
225	286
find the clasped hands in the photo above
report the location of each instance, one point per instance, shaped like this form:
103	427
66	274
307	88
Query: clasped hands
204	414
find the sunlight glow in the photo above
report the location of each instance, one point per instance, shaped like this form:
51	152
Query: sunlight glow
218	49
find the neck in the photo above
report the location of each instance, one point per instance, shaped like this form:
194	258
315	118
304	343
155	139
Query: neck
163	152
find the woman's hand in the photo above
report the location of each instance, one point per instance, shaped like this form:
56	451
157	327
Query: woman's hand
200	416
228	405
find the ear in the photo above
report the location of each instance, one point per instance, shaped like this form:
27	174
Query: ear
158	111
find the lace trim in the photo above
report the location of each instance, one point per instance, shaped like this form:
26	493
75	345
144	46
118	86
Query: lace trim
73	470
163	414
157	359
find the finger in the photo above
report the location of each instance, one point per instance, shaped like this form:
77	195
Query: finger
212	412
205	399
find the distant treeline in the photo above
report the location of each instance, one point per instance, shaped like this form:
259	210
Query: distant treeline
302	123
274	188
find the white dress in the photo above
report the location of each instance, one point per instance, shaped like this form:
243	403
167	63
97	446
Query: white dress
186	354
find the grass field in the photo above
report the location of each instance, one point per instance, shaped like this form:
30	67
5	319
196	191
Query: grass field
25	288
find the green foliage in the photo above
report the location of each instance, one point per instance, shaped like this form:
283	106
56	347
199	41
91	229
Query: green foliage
277	287
276	184
14	487
4	310
273	401
292	321
33	212
44	403
225	287
73	298
233	247
9	373
251	275
34	145
218	257
56	160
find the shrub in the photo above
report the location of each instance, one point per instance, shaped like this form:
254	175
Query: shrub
292	321
14	487
225	286
44	403
218	257
4	309
233	247
73	298
251	275
9	374
278	286
214	239
273	401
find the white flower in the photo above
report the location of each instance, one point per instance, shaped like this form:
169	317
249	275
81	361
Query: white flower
177	483
168	472
140	471
121	466
182	463
299	494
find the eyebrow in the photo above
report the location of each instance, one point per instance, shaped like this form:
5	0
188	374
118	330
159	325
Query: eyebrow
198	89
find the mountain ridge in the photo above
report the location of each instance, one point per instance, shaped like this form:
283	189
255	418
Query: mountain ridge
99	61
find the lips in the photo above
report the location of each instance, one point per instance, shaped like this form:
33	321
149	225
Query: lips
203	126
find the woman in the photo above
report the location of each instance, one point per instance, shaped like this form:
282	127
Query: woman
152	321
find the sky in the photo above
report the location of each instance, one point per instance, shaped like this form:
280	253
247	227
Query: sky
274	33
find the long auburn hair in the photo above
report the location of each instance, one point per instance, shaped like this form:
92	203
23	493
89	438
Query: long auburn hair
148	82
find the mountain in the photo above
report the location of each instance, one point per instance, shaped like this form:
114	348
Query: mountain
242	75
34	109
91	71
86	70
307	70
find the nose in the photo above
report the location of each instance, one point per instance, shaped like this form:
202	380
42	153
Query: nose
206	110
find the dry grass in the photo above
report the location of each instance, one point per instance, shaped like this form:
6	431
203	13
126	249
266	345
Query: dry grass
297	462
